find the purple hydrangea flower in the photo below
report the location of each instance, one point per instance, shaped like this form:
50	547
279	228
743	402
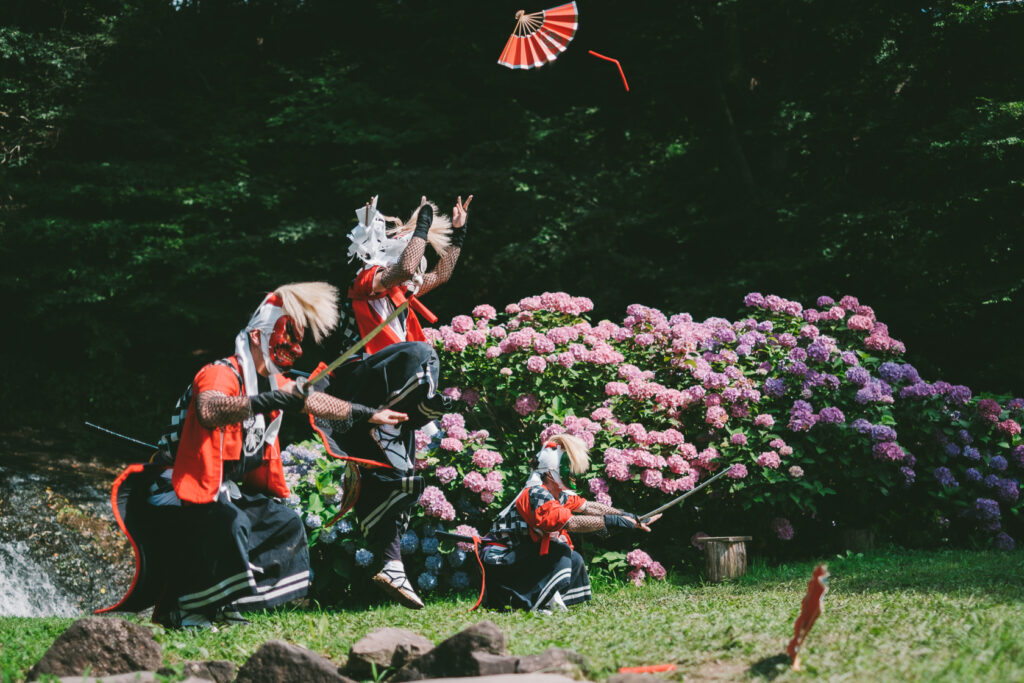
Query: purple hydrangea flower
858	376
986	509
774	386
883	433
972	474
970	452
832	415
861	425
1003	541
998	463
1008	490
945	477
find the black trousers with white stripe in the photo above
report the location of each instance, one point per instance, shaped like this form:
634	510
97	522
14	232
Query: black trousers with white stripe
530	581
249	552
402	377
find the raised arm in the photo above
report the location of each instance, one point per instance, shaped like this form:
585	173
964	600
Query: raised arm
395	274
446	264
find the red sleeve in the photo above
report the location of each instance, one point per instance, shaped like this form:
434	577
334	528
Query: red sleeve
551	516
215	377
362	285
574	502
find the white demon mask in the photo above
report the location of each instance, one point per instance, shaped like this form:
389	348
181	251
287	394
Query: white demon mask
371	243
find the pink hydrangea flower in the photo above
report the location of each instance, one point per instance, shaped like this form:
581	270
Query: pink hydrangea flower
657	571
421	439
716	417
636	576
526	404
470	397
486	459
474	481
796	471
485	311
434	504
450	420
651	478
737	471
457	432
462	323
465	530
452	445
446	474
638	558
536	364
764	420
738	439
769	459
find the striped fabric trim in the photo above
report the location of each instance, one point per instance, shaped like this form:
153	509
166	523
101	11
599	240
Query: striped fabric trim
283	586
550	586
239	582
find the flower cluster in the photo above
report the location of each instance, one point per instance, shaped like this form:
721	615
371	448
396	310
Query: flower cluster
787	399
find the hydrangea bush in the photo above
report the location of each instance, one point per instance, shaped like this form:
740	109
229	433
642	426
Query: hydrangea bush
821	423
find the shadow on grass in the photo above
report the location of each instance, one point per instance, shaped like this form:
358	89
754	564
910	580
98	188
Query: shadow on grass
770	667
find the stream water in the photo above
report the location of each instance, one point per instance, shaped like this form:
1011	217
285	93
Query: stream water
61	553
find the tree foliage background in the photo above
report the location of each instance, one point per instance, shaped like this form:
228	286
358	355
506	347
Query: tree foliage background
166	162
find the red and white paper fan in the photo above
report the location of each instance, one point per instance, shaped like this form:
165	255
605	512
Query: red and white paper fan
540	37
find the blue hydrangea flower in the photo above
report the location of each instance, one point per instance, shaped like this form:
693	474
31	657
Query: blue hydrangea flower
343	527
457	557
364	557
410	542
429	545
293	501
427	581
433	564
328	535
313	521
460	580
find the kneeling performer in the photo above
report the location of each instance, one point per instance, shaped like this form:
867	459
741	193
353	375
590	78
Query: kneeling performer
529	557
211	534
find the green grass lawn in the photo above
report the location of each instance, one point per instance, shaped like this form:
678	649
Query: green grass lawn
889	615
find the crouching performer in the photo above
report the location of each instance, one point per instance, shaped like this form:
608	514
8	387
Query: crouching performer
528	554
211	535
399	371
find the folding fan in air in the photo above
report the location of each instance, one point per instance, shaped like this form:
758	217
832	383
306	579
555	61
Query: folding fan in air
540	37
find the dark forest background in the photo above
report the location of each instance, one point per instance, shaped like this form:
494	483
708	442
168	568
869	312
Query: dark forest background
165	163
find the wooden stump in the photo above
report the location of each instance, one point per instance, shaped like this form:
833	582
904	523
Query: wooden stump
726	556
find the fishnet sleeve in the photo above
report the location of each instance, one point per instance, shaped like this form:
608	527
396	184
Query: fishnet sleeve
585	524
215	409
396	274
328	407
441	272
592	508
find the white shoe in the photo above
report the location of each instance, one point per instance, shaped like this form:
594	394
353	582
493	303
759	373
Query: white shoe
557	604
395	583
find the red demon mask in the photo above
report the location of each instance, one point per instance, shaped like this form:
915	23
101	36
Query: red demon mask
285	343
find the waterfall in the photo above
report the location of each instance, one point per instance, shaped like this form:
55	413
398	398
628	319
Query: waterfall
25	586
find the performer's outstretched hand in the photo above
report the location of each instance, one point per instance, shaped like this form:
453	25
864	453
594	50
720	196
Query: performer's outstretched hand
386	416
460	212
646	525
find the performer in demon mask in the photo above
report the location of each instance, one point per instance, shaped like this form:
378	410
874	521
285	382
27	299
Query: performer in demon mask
399	370
211	535
529	556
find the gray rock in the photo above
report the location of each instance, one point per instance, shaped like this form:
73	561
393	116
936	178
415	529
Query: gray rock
103	646
554	660
454	657
487	664
633	678
277	662
134	677
508	678
217	670
386	648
